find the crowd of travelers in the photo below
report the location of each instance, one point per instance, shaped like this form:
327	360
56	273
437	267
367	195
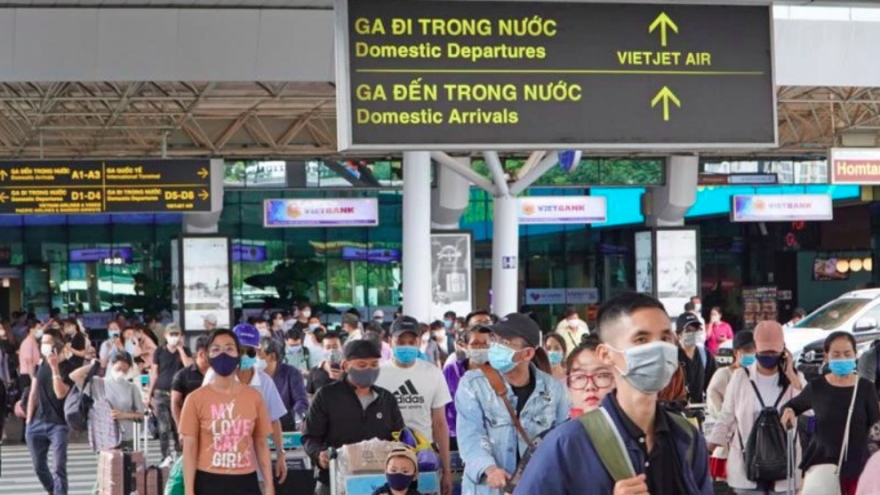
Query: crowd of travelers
637	405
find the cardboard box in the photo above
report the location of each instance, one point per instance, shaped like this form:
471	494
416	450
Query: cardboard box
369	456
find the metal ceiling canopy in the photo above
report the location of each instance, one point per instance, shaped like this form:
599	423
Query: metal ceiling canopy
193	118
277	119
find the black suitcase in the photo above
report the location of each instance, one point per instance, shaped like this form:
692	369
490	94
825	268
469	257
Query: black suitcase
300	476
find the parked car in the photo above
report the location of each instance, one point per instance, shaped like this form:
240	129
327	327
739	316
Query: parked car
857	312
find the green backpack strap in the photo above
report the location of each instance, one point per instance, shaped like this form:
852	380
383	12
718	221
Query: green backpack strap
688	428
608	444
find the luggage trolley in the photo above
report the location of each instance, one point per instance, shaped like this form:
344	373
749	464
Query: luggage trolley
366	484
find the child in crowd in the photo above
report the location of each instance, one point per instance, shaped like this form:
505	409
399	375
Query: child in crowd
402	473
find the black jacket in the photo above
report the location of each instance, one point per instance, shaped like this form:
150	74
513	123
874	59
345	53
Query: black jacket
386	490
336	418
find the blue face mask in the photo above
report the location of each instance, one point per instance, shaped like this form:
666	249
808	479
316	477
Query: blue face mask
114	335
314	326
501	358
748	360
447	324
405	354
248	362
555	357
842	367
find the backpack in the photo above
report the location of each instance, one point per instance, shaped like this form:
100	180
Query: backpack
765	454
610	447
78	403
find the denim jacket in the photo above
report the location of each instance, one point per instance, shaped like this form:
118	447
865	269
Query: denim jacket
486	433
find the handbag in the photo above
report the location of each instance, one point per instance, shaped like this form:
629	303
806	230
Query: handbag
824	479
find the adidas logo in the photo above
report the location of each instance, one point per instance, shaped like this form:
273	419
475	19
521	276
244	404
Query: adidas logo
407	394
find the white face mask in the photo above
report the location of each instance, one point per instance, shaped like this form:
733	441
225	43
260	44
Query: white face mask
117	375
649	367
305	314
46	350
173	340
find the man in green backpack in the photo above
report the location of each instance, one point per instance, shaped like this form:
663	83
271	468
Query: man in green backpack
630	445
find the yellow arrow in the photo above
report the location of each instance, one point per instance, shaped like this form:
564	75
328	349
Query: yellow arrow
3	174
665	95
3	197
663	22
203	172
204	195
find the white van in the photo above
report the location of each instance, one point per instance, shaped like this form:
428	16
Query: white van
857	312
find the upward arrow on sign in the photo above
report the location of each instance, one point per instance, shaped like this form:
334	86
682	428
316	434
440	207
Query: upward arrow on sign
663	22
665	96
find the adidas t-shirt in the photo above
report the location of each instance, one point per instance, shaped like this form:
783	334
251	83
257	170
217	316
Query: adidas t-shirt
418	390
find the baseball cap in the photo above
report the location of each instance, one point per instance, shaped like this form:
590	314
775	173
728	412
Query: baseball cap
247	335
378	314
405	453
404	324
518	325
743	339
172	329
687	320
361	349
211	318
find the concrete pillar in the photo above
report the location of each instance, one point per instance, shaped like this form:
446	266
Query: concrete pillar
505	255
417	234
450	198
666	206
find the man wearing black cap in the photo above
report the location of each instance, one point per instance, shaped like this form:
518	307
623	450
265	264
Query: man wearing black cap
699	365
350	410
420	390
495	430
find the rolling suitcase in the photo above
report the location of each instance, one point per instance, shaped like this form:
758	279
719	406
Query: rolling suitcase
155	478
123	472
120	472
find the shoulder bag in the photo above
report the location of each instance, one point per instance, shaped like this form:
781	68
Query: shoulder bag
497	383
824	479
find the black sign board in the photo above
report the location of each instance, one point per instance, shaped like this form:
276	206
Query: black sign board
115	186
470	75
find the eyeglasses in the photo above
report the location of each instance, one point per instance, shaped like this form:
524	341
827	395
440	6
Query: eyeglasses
579	381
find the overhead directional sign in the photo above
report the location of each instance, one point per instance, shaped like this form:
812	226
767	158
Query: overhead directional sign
115	186
477	75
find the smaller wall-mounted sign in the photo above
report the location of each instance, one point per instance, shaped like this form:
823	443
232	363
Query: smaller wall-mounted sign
321	212
782	208
538	297
536	210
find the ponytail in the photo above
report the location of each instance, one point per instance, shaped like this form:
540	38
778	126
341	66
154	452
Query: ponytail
542	361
